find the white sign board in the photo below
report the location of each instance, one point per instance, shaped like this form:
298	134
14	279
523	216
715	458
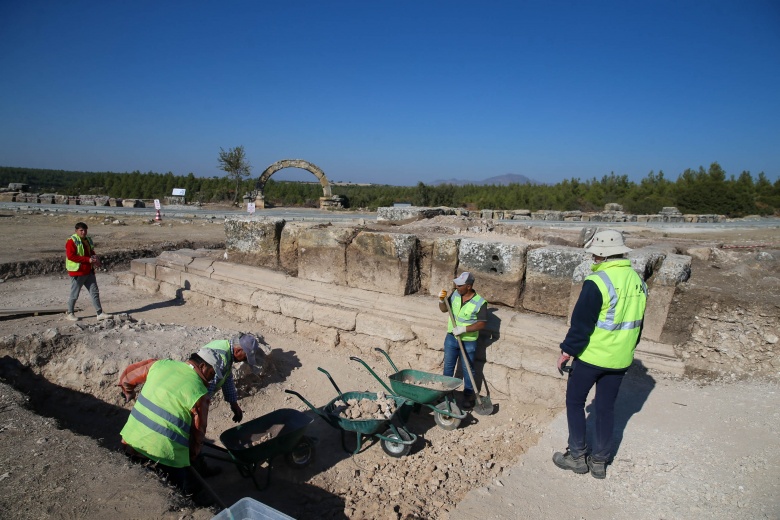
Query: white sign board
250	207
178	192
156	203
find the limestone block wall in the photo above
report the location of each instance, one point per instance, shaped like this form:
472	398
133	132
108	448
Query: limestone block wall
510	272
516	355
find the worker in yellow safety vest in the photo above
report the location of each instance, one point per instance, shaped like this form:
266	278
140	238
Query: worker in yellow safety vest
167	424
470	311
606	325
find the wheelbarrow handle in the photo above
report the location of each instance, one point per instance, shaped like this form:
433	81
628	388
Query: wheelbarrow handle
387	356
353	358
314	408
341	395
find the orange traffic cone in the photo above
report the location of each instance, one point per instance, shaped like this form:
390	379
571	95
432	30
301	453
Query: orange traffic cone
157	216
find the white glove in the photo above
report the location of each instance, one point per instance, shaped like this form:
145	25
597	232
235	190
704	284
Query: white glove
457	331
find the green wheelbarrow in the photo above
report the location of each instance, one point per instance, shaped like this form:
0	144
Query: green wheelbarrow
260	440
424	389
395	439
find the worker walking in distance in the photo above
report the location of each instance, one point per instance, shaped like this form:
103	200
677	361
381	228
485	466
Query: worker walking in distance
81	262
606	325
470	311
167	424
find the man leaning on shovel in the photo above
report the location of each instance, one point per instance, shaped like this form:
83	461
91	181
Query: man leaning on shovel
470	312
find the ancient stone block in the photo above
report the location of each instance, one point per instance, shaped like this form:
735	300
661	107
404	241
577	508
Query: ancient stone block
288	246
373	325
324	335
409	212
201	266
179	259
658	303
143	283
276	322
431	337
322	253
266	301
498	268
328	316
674	269
168	275
241	311
139	265
444	262
253	240
133	203
170	290
296	308
236	293
424	261
548	278
384	262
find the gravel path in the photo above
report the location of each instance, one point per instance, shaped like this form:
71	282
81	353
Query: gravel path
687	452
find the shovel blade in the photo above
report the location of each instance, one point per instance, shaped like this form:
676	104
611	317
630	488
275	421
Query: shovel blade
483	406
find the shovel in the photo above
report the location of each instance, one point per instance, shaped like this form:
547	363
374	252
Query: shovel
484	405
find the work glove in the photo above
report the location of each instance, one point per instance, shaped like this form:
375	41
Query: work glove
457	331
238	414
127	396
443	295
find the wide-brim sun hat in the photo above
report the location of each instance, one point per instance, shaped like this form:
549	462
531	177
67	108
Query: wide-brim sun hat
607	243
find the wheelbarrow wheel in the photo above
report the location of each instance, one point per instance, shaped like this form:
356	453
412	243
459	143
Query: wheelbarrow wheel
396	449
445	421
302	454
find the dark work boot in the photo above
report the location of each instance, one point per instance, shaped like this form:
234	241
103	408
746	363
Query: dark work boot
566	461
597	468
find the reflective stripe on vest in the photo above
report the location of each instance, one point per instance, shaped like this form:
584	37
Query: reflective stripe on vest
624	298
75	266
160	422
466	314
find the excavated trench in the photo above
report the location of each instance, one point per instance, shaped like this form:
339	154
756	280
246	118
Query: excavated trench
69	375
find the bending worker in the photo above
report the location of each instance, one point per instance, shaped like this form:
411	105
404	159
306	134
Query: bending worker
470	311
606	324
168	421
223	353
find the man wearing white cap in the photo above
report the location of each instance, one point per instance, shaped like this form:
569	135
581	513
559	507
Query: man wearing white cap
470	311
606	325
221	354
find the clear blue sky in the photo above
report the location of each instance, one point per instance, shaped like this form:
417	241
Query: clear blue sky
393	92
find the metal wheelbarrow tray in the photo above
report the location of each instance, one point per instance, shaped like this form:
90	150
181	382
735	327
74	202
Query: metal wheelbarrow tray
286	428
395	439
424	389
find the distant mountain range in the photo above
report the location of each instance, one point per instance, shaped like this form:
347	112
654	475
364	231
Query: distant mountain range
499	180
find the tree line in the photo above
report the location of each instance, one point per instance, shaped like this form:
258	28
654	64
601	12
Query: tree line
702	191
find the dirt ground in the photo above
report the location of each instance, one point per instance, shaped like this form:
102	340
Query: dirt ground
60	413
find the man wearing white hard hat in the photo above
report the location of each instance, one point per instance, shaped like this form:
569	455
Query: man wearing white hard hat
606	325
470	311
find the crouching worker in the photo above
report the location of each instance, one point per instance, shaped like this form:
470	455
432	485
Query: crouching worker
222	353
167	424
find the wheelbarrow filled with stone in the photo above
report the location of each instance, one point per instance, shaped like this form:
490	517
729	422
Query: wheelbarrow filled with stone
260	440
367	414
424	389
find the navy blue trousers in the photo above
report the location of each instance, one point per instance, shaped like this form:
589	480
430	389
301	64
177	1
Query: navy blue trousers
581	380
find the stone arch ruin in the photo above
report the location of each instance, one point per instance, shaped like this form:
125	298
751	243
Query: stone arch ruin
292	163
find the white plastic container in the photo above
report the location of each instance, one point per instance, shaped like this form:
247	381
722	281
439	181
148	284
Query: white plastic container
250	509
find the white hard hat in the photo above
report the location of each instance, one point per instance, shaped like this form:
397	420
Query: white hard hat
607	243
